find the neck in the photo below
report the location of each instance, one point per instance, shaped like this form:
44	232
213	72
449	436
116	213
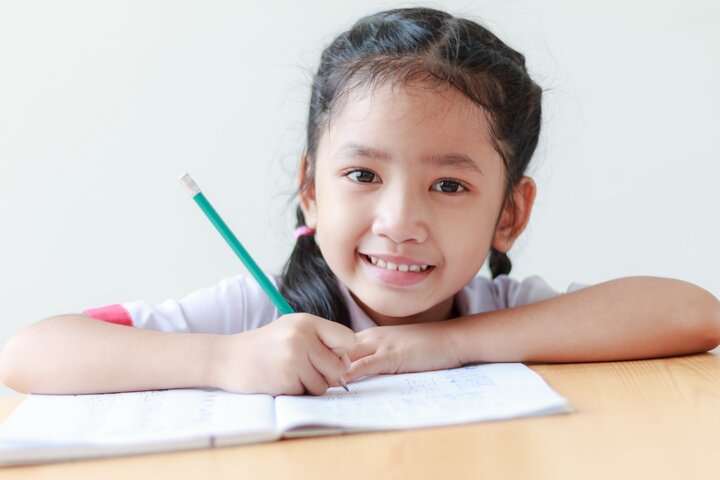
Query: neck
442	311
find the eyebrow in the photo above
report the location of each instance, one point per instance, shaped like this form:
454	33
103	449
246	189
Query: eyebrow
454	160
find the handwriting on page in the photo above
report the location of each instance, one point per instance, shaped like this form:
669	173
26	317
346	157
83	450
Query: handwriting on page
404	400
160	417
124	415
148	412
419	393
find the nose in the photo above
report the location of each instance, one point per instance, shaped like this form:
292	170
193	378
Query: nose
400	215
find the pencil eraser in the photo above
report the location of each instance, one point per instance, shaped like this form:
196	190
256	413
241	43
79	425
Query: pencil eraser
189	184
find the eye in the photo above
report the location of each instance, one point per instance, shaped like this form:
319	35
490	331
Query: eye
362	176
448	186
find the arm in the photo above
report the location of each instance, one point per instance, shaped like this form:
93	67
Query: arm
624	319
77	354
630	318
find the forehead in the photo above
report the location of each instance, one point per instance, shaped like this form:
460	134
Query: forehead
420	99
420	117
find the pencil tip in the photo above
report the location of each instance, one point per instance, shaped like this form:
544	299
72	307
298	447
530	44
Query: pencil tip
343	383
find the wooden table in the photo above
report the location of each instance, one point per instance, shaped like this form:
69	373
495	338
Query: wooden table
655	419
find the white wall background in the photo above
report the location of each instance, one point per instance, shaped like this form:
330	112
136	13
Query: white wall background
104	104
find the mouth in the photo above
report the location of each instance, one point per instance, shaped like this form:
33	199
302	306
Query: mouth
397	270
392	266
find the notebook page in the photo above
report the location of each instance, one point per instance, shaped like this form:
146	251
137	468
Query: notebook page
445	397
188	417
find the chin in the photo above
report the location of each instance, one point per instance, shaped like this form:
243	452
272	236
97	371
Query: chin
395	307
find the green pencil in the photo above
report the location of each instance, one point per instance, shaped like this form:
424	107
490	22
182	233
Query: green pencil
235	244
239	250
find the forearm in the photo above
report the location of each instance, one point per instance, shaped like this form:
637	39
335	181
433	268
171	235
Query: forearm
76	354
623	319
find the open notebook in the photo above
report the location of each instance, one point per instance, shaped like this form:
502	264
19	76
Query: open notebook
60	427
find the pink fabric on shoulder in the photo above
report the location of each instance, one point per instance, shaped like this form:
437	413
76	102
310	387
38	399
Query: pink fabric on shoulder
110	313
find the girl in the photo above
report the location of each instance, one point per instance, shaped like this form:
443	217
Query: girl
420	129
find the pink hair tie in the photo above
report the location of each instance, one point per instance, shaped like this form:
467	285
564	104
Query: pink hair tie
302	231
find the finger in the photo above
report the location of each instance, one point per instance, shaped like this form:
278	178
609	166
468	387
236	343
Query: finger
336	337
315	383
361	350
370	365
326	362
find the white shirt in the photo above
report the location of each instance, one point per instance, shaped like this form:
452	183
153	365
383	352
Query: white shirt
238	304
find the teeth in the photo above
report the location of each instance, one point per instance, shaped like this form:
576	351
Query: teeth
392	266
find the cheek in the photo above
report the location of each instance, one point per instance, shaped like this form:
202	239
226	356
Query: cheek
338	211
467	243
335	219
338	228
470	256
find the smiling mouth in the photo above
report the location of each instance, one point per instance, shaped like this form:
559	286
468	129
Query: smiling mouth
394	267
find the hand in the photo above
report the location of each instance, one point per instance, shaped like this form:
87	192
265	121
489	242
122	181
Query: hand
401	349
295	354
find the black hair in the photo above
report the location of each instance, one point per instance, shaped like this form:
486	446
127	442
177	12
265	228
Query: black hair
405	45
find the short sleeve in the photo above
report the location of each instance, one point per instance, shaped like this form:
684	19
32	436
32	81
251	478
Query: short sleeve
483	294
234	305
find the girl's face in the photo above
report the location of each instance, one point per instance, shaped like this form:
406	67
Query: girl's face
407	199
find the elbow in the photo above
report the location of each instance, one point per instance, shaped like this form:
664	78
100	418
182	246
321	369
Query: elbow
705	328
19	358
713	327
11	375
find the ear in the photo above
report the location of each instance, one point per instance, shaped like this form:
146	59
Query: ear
515	215
307	193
